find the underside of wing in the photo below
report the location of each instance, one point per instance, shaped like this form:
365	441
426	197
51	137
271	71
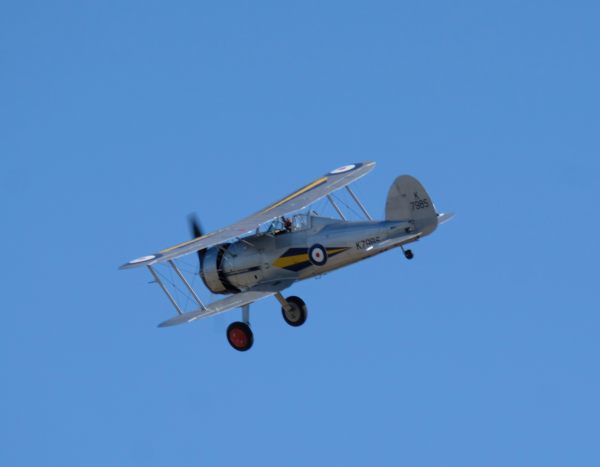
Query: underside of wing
220	306
300	199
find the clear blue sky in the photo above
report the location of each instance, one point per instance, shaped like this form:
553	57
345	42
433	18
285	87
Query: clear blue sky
119	118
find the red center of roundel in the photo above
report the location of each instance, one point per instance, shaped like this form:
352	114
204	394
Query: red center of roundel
318	254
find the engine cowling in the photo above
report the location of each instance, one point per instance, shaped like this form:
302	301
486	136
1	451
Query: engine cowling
231	267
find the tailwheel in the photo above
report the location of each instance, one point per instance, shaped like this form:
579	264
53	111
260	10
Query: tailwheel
240	336
295	313
408	254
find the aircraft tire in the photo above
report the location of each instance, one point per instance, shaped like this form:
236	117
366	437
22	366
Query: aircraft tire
298	315
409	254
240	336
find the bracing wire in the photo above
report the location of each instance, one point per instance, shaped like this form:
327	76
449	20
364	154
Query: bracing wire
347	206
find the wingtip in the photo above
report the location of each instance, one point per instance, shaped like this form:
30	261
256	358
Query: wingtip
179	319
142	261
165	324
128	266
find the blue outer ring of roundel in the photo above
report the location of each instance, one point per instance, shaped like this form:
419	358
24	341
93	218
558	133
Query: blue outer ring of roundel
314	261
351	168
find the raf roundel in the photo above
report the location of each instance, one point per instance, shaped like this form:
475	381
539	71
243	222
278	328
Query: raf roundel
317	255
343	169
142	259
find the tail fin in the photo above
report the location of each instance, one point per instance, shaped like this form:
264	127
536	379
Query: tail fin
408	200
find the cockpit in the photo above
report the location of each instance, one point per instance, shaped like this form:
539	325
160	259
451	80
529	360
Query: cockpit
285	224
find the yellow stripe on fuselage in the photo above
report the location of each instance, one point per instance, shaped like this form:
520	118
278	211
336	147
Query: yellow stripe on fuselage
298	193
290	260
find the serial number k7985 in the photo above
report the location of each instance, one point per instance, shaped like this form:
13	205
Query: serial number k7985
420	204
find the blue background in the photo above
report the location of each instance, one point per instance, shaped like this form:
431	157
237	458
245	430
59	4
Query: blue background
117	119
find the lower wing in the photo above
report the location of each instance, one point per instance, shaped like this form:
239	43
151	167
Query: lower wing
220	306
237	300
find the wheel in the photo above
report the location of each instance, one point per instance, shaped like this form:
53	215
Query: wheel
297	315
240	336
409	254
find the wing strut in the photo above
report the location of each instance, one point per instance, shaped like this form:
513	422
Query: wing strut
187	284
335	206
162	286
360	205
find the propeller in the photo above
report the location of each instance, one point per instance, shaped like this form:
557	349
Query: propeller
196	230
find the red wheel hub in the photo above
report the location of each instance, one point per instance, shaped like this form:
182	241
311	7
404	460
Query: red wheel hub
238	338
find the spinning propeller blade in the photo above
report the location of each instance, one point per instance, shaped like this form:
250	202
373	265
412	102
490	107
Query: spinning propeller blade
196	230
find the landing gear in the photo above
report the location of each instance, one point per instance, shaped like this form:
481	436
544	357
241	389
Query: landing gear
240	336
294	311
408	254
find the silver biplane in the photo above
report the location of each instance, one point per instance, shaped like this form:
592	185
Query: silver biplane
248	263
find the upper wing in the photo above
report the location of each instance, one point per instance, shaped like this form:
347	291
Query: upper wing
300	199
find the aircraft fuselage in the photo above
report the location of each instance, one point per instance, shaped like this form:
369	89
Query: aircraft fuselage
322	246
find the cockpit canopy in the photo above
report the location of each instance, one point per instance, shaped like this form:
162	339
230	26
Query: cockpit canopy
300	222
296	223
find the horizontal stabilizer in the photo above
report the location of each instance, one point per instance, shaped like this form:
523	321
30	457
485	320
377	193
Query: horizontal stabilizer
445	217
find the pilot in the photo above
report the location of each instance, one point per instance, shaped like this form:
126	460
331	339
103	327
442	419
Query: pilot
283	225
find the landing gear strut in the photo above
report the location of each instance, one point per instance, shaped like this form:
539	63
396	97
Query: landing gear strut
293	309
239	334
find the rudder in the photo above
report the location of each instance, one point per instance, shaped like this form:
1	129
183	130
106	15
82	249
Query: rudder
408	200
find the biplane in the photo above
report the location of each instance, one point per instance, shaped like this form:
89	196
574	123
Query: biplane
265	253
